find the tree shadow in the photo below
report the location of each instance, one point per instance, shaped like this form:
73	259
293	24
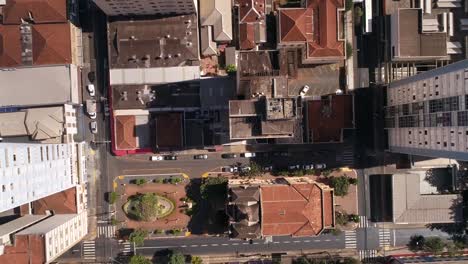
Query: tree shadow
206	217
440	178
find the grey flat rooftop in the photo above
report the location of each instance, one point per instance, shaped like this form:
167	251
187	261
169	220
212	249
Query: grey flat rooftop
19	223
164	42
48	224
183	95
44	85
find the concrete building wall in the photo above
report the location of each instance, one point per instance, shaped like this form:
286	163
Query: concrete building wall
147	7
429	113
70	123
33	171
65	235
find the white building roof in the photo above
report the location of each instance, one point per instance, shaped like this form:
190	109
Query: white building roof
154	75
39	85
218	14
412	206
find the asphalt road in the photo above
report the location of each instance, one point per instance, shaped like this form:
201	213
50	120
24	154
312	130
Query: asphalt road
222	245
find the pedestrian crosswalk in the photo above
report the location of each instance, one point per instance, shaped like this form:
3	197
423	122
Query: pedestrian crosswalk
350	239
384	237
89	250
363	223
368	255
348	156
106	231
126	248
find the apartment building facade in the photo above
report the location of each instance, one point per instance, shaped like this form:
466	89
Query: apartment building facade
427	114
44	238
147	7
34	171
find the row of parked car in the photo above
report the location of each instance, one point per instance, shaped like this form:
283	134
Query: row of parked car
319	166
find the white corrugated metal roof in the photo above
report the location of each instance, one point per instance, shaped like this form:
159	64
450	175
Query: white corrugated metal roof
154	75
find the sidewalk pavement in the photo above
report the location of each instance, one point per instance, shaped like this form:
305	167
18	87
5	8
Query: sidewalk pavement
351	62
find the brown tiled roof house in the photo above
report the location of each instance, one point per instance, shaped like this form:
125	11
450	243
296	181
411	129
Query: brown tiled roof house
252	28
316	28
38	11
37	32
125	132
294	206
296	209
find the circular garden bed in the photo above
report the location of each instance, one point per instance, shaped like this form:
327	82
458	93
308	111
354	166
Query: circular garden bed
148	207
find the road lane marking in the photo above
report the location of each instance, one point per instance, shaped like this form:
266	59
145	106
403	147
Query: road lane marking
297	241
245	243
235	244
224	244
306	241
255	243
276	242
194	246
183	246
318	240
215	245
203	245
328	240
286	242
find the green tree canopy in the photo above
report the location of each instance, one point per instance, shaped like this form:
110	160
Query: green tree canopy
139	259
434	245
196	260
147	206
214	186
340	184
176	258
416	243
138	237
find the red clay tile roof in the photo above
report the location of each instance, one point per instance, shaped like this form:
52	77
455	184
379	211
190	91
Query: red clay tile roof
51	44
125	132
247	36
42	11
169	134
27	249
327	44
316	26
328	209
63	202
296	25
291	210
326	119
251	11
10	47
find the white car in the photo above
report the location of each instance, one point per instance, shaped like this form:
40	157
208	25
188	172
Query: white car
294	167
92	115
156	158
93	127
304	90
320	166
308	167
248	155
91	89
231	169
